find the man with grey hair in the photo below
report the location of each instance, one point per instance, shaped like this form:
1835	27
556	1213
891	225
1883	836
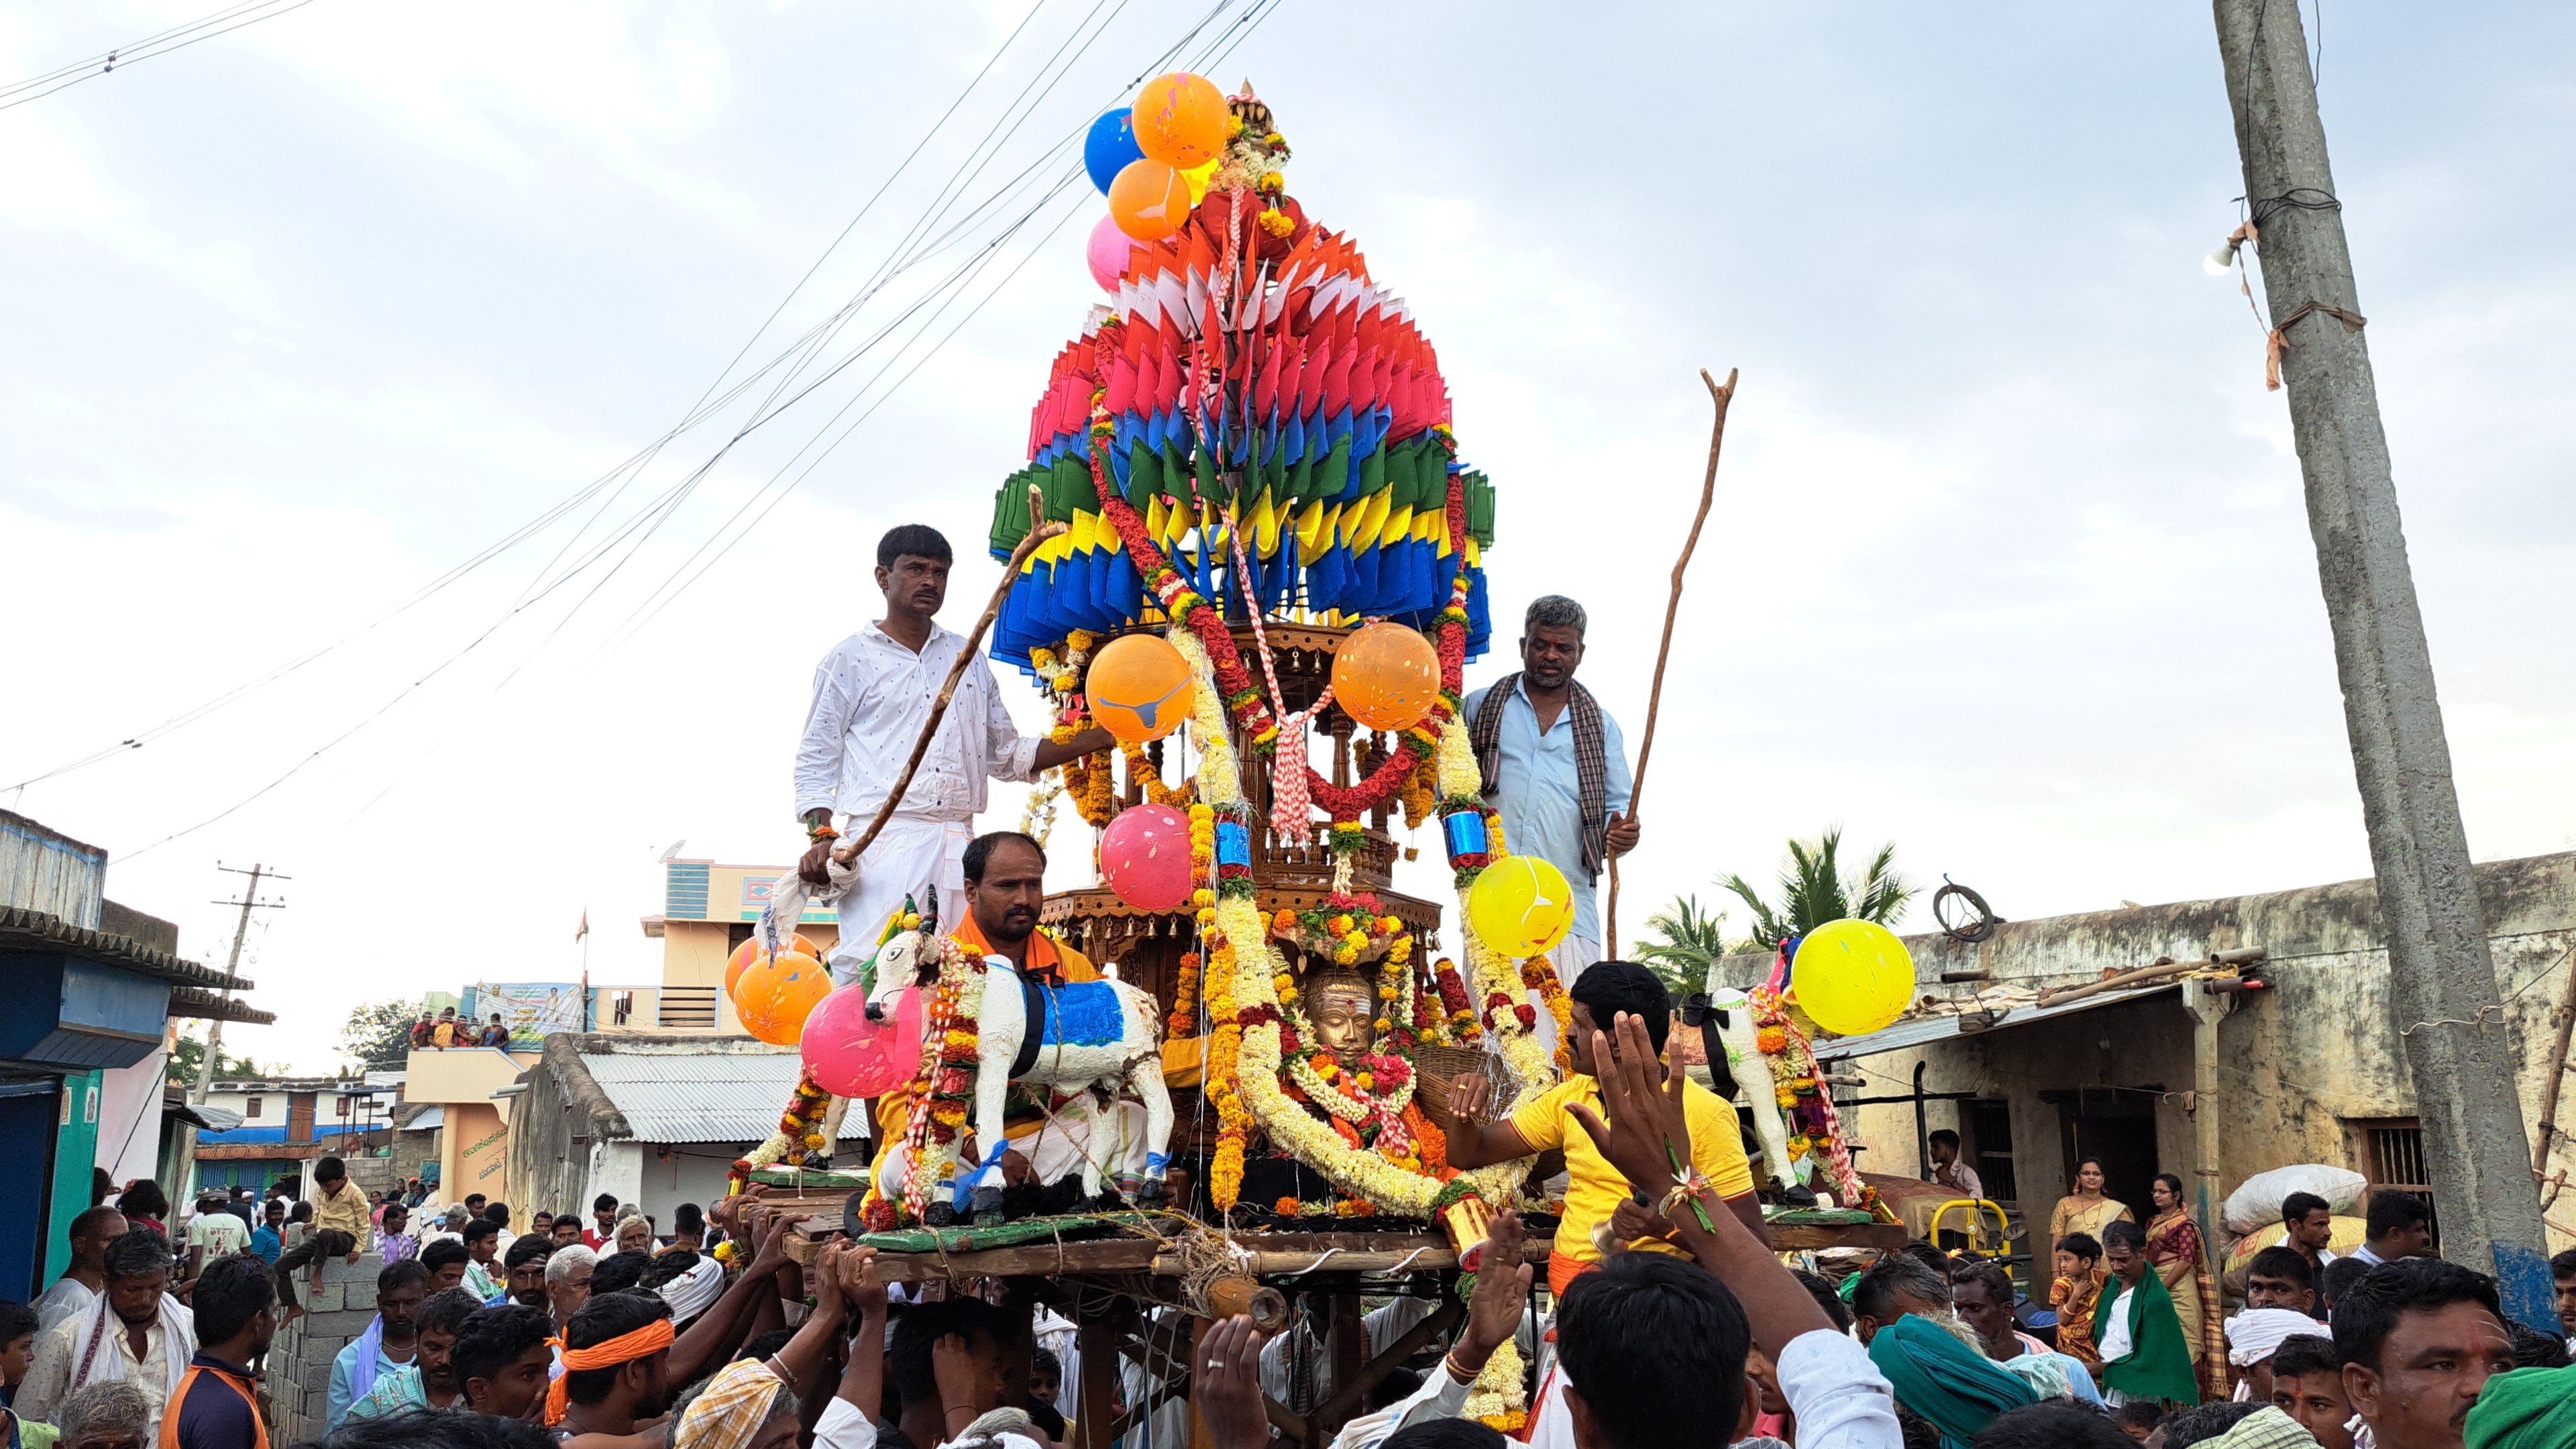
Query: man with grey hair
1556	766
109	1414
568	1272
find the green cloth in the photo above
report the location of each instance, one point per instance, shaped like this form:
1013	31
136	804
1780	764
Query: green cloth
2158	1364
2533	1408
1943	1380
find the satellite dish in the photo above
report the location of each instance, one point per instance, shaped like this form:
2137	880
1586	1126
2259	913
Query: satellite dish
674	851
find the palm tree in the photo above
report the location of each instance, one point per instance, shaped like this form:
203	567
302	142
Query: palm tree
1813	891
1686	941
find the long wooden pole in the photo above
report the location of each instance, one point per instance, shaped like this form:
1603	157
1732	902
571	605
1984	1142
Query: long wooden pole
1722	396
1040	530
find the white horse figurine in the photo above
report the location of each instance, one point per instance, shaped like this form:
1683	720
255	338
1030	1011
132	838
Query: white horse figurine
1054	1038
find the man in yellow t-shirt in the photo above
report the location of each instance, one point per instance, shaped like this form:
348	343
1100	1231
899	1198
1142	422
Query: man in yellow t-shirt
1594	1188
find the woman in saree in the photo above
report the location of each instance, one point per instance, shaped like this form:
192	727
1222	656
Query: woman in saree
2086	1210
2174	1251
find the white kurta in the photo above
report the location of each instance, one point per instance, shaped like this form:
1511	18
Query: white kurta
871	697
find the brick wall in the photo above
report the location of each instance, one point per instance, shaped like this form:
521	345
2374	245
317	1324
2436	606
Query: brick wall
299	1361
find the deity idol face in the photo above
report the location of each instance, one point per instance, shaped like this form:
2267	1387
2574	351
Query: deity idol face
1343	1011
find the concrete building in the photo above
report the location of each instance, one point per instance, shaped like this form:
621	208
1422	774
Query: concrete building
707	910
92	988
655	1120
472	1123
288	1124
2309	1070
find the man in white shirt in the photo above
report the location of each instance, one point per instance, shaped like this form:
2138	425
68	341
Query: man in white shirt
213	1233
133	1330
872	694
81	1283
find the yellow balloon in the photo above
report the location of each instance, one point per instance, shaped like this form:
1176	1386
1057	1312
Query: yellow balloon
1853	977
1139	687
1197	176
1520	906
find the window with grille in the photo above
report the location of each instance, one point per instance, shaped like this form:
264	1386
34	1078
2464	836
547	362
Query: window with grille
1990	1126
2391	1150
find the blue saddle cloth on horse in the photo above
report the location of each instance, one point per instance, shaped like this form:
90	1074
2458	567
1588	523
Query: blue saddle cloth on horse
1080	1013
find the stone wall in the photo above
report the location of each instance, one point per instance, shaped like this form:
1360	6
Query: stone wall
299	1360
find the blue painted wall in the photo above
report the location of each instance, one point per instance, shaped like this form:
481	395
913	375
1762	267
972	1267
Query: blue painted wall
27	1119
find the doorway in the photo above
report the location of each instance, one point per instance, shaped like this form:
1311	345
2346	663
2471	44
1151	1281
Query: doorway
2117	1125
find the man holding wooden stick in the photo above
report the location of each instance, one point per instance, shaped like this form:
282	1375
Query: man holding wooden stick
1556	766
873	694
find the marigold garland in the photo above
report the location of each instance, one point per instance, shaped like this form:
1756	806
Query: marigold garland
1184	1020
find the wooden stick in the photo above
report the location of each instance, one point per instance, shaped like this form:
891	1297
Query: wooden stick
1040	530
2544	1140
1721	396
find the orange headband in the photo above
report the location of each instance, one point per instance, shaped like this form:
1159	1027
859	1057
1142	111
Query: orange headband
644	1342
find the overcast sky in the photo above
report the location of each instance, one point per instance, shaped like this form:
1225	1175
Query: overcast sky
2009	563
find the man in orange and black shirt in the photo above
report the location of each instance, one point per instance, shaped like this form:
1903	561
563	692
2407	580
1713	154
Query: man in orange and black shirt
236	1308
1005	888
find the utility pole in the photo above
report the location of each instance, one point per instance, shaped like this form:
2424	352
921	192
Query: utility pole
249	902
2442	984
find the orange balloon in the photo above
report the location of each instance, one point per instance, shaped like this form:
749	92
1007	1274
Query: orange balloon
775	995
749	951
1181	119
1387	676
1139	686
1149	200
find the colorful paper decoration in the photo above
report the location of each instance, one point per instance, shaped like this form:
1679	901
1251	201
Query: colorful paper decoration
1145	857
1853	977
1520	906
1463	833
1325	440
776	993
1386	676
1139	687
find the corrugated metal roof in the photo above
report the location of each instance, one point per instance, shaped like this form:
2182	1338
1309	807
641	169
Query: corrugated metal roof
727	1096
25	930
1924	1032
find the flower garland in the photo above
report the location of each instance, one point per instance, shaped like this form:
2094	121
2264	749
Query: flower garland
1037	818
1184	1021
1815	1126
950	1039
1349	928
1538	973
1458	1012
1141	768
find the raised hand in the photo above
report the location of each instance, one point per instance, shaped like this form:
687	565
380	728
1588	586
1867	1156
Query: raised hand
1226	1385
1647	1133
1502	1291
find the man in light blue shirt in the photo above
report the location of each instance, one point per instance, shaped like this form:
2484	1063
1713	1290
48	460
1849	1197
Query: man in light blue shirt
1556	766
390	1343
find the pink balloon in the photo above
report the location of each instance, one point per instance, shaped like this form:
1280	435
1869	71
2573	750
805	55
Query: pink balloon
1145	855
851	1056
1108	254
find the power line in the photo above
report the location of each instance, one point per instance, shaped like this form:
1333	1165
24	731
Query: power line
221	22
643	525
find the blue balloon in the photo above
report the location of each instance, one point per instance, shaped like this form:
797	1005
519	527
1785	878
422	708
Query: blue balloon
1110	146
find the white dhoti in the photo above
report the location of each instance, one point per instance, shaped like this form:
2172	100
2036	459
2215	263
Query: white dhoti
923	860
1113	1140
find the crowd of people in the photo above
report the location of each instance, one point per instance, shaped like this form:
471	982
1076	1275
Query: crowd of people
443	1031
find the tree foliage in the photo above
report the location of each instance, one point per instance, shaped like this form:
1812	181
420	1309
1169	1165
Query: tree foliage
1813	890
188	1052
378	1036
1686	940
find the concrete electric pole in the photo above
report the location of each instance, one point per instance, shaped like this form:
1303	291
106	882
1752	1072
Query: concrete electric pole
2441	975
186	1187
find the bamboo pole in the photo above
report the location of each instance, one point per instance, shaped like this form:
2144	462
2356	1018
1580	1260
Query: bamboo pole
1041	529
1722	396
